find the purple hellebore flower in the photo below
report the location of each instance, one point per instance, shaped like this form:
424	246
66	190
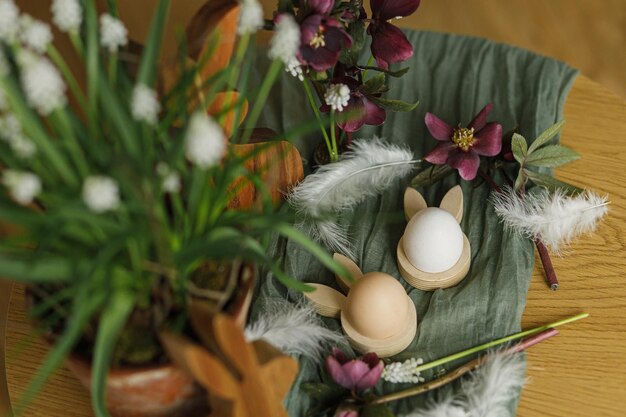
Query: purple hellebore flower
356	374
366	112
320	6
389	44
322	39
462	147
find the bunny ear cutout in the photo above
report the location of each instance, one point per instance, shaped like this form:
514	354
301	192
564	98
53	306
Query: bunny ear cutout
276	367
227	102
452	202
326	301
353	269
413	202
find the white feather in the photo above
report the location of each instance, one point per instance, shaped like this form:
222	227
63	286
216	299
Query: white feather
295	329
487	393
555	218
369	168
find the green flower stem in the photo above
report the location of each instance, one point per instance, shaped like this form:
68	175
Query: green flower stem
500	341
309	94
261	98
240	54
58	60
71	142
334	152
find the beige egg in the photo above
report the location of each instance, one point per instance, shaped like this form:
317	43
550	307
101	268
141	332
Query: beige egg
377	305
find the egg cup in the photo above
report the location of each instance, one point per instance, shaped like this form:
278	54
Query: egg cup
329	302
428	281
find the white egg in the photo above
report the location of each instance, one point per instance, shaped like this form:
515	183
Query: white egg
433	240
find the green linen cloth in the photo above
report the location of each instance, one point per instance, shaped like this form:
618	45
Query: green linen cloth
453	77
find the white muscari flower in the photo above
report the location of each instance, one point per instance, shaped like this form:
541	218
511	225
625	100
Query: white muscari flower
250	17
144	104
43	85
9	20
337	96
295	69
113	33
205	142
10	127
170	180
67	15
23	186
35	34
285	43
403	372
23	147
101	194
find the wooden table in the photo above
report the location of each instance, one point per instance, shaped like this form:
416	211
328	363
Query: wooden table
582	372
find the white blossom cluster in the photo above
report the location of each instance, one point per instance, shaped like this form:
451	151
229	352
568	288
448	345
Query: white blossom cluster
285	43
250	17
101	194
403	372
34	34
337	96
145	105
9	20
295	69
113	33
205	142
170	179
67	15
23	186
42	84
11	133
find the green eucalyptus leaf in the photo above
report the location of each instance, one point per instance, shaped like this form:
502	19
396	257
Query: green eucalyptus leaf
393	105
551	183
323	393
552	156
431	175
395	74
375	84
378	410
519	148
546	135
520	180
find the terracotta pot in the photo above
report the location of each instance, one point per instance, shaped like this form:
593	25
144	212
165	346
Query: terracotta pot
155	391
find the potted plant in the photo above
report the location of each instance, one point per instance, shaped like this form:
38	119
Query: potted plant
128	204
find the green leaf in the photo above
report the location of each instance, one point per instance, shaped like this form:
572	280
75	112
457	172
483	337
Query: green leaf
375	85
393	105
112	321
520	180
350	56
519	148
552	156
44	270
396	74
544	137
379	410
431	175
148	66
551	183
323	393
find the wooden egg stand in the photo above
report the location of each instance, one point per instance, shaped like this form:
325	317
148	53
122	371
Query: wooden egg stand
329	302
452	202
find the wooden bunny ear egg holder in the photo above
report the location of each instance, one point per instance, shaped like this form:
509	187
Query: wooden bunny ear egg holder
372	315
453	203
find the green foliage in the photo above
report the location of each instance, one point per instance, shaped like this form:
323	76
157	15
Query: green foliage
350	56
541	155
431	175
393	105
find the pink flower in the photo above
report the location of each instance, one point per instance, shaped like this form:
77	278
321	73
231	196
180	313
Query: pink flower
346	412
389	44
462	147
356	374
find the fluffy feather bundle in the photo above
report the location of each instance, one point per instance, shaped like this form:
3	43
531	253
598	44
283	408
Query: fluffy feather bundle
294	329
554	217
366	171
487	393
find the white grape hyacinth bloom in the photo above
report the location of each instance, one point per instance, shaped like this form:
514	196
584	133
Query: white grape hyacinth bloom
285	43
403	372
113	33
67	15
23	186
23	147
170	179
35	34
250	17
9	20
337	96
295	69
145	105
101	194
43	85
205	142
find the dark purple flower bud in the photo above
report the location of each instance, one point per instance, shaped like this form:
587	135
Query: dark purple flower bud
356	374
388	9
389	44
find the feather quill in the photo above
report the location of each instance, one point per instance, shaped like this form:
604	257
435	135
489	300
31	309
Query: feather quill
295	329
369	168
488	392
555	218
